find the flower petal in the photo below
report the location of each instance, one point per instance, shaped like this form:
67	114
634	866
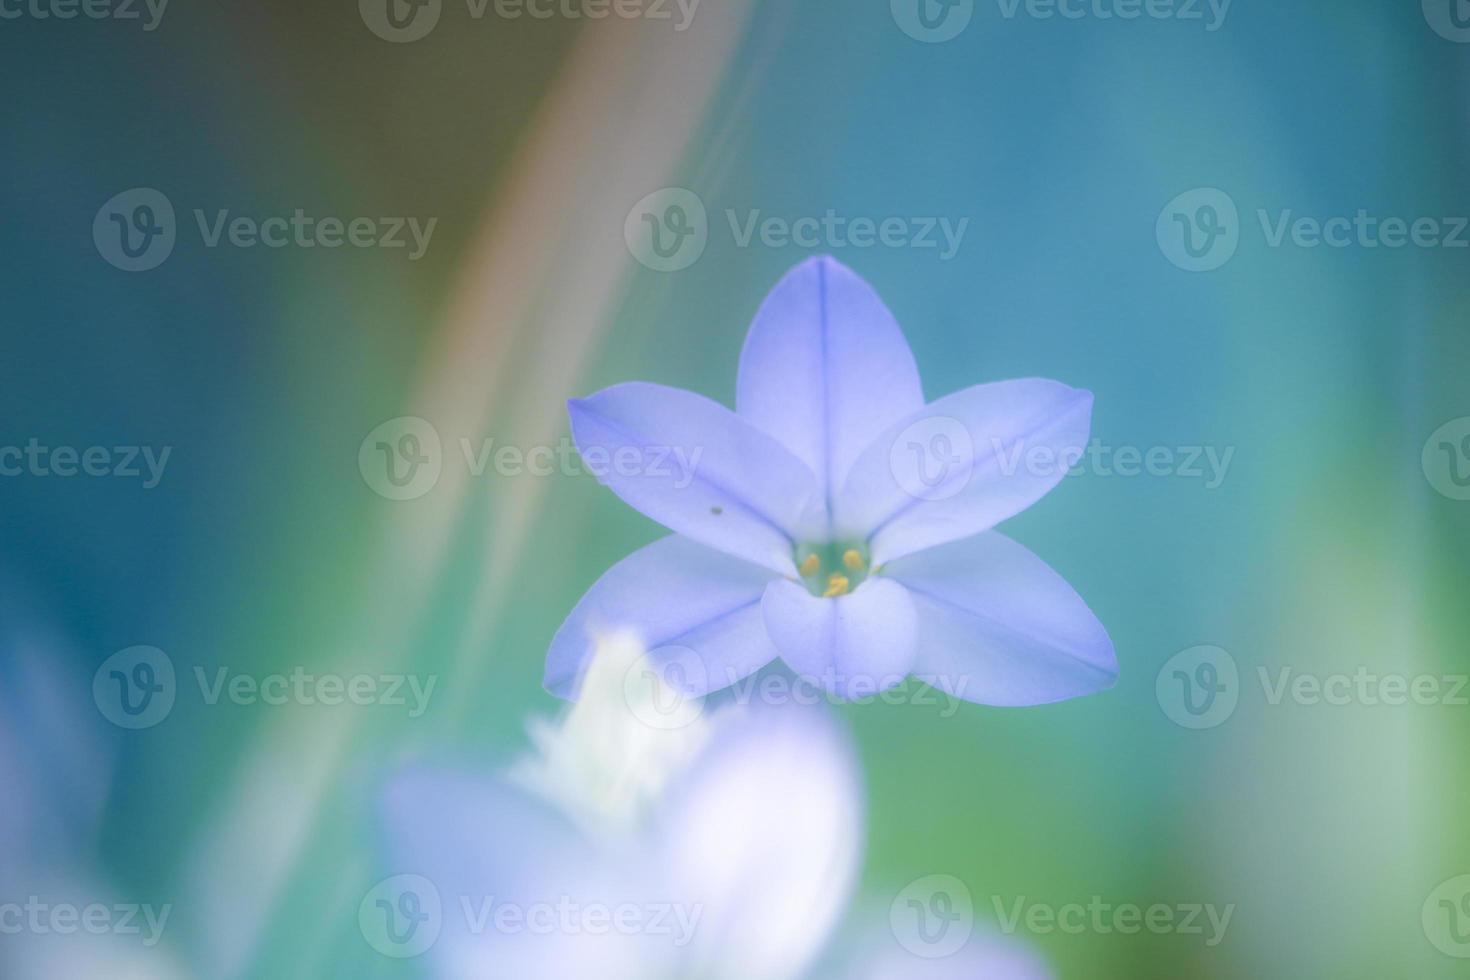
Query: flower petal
471	848
825	369
679	598
696	467
964	464
998	626
854	645
764	835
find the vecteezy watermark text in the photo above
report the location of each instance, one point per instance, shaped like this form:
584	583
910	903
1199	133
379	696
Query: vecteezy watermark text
1106	918
938	457
1201	687
834	231
665	689
922	690
137	688
936	21
306	688
124	462
567	916
403	459
136	230
402	917
1207	463
41	918
90	9
669	229
1210	13
402	21
1201	230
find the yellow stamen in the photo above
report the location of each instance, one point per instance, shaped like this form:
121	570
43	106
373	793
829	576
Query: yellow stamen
836	586
852	560
811	565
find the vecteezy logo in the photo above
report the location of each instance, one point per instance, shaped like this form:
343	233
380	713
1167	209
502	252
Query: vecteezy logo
933	916
932	21
657	688
1199	230
135	230
667	230
402	458
1446	459
400	21
1450	19
1446	917
933	459
135	688
401	916
1199	687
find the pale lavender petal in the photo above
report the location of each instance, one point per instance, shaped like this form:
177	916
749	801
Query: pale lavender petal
963	464
998	626
764	835
825	368
854	645
498	881
685	603
696	467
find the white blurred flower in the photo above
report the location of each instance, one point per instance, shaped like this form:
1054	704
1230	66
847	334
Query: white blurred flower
601	763
723	847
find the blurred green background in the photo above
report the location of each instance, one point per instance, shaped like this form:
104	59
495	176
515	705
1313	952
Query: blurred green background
1325	548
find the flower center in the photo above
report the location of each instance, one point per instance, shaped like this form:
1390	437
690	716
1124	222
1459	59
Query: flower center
833	568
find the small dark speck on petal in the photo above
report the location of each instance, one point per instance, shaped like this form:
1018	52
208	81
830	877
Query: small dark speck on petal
717	511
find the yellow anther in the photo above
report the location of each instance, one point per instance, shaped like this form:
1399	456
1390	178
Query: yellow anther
853	560
836	586
811	565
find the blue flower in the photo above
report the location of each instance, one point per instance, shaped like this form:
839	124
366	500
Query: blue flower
835	520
